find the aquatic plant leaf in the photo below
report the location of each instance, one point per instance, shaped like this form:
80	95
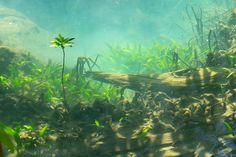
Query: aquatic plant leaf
28	127
66	76
7	137
60	37
68	45
144	133
98	124
55	99
69	39
122	119
232	57
4	81
228	127
43	130
62	42
230	74
54	44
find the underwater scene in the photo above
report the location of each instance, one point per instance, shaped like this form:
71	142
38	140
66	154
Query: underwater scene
117	78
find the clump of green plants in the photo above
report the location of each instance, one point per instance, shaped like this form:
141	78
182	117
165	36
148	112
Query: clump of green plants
157	58
25	73
62	42
32	136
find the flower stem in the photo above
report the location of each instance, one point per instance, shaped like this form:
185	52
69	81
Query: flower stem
62	80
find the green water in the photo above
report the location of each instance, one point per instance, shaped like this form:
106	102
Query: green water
95	24
117	78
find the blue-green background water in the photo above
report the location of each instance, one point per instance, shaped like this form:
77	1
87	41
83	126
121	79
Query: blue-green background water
194	121
96	23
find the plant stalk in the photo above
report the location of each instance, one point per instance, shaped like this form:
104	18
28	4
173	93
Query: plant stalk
62	80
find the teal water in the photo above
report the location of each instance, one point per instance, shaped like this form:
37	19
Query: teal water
81	111
96	23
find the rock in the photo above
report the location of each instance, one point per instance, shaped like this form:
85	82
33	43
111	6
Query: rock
6	56
232	19
18	31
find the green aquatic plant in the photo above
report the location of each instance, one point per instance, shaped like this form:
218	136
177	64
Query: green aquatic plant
98	125
157	58
143	135
4	82
198	26
228	128
25	73
33	135
44	78
62	42
9	138
43	130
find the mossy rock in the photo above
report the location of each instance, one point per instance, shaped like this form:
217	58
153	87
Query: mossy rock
6	56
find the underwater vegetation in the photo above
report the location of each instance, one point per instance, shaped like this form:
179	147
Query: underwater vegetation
9	138
167	99
154	59
62	42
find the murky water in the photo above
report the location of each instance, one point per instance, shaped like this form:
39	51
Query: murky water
117	78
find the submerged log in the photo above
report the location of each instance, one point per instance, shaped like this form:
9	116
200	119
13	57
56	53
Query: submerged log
174	83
